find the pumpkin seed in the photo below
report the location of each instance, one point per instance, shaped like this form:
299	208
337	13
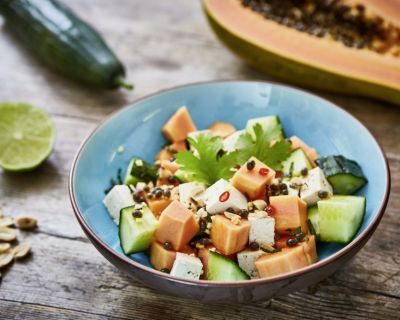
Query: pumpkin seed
4	247
26	222
7	234
21	250
5	259
6	221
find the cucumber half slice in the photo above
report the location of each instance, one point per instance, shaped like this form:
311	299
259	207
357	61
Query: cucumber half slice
340	217
296	162
223	269
136	230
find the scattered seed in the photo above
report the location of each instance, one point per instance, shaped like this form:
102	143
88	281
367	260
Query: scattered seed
158	193
291	242
21	250
137	214
5	259
6	221
323	194
254	246
243	213
250	165
4	247
203	225
230	209
26	222
167	245
7	234
300	236
165	270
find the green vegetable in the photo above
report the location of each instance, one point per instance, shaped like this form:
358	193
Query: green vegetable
64	42
224	269
340	217
261	148
26	136
136	233
295	163
345	175
206	165
140	171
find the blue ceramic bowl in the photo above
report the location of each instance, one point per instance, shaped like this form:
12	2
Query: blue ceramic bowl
318	122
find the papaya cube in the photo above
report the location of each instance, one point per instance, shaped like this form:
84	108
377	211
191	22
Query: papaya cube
290	212
229	237
310	249
168	152
177	225
179	125
287	260
311	153
253	182
157	205
161	258
221	129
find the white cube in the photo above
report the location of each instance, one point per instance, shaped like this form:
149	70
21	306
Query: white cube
247	259
222	195
186	266
118	198
262	228
313	184
190	190
230	141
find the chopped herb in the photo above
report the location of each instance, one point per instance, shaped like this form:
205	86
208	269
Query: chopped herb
143	171
262	148
206	165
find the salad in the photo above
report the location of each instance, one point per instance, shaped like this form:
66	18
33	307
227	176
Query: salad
222	204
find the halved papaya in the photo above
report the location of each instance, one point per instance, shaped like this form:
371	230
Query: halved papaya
293	53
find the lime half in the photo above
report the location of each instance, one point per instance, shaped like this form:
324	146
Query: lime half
26	136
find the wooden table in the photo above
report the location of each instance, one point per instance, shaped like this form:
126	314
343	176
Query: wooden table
163	44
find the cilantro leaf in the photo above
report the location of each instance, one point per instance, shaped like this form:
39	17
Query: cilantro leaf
206	165
261	148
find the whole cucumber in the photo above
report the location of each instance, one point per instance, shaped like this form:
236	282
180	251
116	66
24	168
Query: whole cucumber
64	42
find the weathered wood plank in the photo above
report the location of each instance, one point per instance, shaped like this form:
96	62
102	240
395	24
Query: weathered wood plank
91	285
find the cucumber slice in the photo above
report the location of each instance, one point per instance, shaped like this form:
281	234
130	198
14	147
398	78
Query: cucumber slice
220	268
140	171
136	234
344	175
270	123
340	217
296	162
313	218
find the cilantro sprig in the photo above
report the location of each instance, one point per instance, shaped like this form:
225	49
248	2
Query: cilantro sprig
207	165
272	154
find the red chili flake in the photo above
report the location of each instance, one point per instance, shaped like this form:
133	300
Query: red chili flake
224	196
270	210
263	171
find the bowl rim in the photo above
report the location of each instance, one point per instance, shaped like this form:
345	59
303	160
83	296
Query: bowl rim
365	234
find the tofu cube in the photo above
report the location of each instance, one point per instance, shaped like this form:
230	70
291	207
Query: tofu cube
246	260
186	266
118	198
262	228
190	190
222	195
313	184
230	141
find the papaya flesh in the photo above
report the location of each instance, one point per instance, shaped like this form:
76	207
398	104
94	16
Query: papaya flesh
307	60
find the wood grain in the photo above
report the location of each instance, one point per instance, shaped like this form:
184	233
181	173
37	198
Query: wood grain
163	44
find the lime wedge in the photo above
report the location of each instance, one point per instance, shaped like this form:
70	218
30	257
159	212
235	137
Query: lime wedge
26	136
